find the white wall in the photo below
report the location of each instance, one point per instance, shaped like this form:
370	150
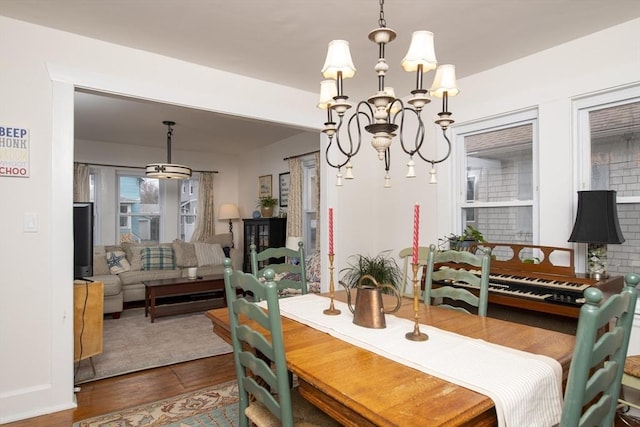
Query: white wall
40	68
268	161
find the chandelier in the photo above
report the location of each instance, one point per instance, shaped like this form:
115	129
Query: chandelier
382	115
168	170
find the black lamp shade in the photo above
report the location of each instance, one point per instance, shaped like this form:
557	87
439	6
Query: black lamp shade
597	218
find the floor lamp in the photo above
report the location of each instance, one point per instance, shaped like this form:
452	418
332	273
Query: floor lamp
230	212
597	225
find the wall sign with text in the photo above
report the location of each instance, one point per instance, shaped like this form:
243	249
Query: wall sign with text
14	151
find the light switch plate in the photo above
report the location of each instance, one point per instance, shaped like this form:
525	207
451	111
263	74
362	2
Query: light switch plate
30	223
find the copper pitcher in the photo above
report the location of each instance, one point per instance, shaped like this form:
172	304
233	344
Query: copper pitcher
369	311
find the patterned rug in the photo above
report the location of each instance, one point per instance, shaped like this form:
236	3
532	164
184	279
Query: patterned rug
214	406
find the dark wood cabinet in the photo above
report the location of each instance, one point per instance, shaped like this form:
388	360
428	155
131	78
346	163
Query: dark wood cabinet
264	233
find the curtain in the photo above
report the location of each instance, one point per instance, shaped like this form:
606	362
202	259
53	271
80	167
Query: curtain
316	200
294	210
81	182
205	220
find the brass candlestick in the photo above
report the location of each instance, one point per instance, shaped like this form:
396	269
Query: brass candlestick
416	335
331	311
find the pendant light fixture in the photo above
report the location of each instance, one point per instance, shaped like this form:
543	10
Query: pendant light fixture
168	170
383	115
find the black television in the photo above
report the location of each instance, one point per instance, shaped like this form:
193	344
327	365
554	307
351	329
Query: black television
82	240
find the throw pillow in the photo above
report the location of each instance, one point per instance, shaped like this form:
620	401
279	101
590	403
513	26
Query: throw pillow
133	254
100	265
185	254
117	262
157	258
209	253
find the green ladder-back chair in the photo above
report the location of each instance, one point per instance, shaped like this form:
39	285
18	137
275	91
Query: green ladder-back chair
295	274
466	270
598	359
406	254
259	355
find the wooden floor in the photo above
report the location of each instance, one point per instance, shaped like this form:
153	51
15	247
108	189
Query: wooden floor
113	394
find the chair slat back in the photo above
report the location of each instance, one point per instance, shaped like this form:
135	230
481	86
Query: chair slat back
258	351
465	270
273	257
602	339
406	254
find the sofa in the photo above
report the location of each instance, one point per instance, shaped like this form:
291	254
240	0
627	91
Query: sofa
122	268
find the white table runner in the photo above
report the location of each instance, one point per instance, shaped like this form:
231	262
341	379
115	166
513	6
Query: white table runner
526	388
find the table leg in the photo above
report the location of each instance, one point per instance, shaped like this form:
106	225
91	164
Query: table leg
146	301
153	305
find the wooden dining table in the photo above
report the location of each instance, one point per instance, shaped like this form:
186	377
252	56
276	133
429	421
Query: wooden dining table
357	387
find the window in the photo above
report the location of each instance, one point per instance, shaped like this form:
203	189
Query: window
144	209
609	152
139	209
497	176
309	195
188	207
93	184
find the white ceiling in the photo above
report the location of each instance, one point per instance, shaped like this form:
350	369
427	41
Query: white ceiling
284	41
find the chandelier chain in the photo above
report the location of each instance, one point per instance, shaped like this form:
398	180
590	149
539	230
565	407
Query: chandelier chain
381	21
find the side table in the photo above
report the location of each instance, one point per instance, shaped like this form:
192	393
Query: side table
88	302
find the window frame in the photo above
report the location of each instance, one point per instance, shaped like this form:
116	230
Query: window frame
494	123
191	192
581	107
161	205
308	208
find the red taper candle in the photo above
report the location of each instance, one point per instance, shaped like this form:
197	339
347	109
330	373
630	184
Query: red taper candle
416	226
330	231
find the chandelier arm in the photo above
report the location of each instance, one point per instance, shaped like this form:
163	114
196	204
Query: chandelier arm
356	116
444	133
419	134
335	165
349	154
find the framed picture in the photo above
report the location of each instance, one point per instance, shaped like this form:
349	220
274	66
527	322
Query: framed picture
264	186
285	181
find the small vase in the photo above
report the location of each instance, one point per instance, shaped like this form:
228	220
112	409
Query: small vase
266	211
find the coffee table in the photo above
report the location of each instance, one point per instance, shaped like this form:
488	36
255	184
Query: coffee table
183	286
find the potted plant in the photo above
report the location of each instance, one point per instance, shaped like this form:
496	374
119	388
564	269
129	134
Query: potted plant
381	267
266	205
465	241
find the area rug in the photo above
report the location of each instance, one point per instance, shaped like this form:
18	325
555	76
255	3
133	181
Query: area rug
214	406
132	343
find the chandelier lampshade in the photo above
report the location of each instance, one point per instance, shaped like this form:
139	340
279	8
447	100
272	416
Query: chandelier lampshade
327	92
338	61
444	82
168	170
421	53
383	115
